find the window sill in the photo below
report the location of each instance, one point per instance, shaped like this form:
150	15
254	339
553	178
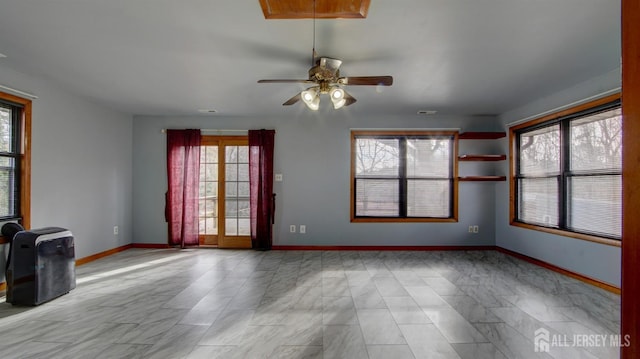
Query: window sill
402	220
559	232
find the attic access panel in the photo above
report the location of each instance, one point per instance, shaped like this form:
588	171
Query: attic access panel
325	9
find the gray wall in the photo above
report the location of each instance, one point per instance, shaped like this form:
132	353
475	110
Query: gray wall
82	177
81	165
595	260
312	151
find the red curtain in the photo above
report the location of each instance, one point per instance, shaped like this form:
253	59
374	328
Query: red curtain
183	171
262	198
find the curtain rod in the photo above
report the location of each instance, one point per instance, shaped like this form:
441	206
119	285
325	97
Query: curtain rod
564	107
164	130
18	92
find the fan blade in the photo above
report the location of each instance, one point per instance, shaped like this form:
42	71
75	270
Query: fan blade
282	81
292	100
349	99
366	81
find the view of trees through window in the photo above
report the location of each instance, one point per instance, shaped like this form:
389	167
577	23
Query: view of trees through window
540	171
208	200
7	162
569	173
224	189
377	167
236	210
403	176
595	185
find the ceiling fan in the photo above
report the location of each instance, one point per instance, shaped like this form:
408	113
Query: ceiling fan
326	77
325	74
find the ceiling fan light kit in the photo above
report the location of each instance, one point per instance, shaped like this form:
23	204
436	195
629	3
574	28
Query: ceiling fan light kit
337	97
311	98
325	73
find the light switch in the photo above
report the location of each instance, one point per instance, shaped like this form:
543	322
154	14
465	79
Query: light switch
278	177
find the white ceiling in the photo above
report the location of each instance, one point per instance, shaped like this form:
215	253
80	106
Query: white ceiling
169	57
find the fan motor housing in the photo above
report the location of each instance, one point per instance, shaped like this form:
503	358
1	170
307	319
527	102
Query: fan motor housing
320	73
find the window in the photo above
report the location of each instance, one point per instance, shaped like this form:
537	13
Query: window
403	176
15	128
224	191
568	171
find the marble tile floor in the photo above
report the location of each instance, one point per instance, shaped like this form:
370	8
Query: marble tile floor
209	303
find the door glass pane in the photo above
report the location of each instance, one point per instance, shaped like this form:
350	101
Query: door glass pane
243	189
211	189
231	189
231	172
211	206
237	191
208	200
211	173
244	227
231	217
231	154
202	209
243	172
243	217
243	154
211	225
210	154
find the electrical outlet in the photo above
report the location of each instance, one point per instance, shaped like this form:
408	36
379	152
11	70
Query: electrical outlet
292	228
476	229
303	229
115	230
470	229
278	177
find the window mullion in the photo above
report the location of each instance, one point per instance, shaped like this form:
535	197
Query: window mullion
452	154
516	182
17	149
565	169
402	188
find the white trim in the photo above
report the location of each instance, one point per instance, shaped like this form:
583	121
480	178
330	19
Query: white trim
564	107
18	92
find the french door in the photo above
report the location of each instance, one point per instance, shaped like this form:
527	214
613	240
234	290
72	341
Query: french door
224	192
